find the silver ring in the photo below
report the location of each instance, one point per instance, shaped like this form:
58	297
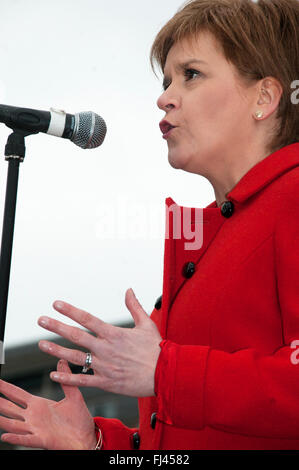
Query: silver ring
87	364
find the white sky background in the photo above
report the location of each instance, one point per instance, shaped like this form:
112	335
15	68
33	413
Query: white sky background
89	223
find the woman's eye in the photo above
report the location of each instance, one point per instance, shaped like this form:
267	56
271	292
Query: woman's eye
191	73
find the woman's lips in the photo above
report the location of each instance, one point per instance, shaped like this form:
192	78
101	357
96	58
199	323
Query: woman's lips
165	136
166	128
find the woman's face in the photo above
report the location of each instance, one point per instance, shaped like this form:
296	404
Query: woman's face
211	111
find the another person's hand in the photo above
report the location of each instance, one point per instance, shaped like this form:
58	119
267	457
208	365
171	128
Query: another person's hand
46	424
123	359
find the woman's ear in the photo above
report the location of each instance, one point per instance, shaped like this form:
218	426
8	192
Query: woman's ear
268	99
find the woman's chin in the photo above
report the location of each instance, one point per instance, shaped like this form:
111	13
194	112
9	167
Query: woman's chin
176	160
175	165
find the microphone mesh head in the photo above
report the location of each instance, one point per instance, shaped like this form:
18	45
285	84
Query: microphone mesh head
90	130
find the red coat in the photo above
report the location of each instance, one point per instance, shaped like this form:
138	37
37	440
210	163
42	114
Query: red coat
225	378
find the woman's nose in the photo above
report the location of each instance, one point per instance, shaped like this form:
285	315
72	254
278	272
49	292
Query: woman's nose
166	102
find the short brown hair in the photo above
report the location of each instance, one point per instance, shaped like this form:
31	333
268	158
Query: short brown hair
261	38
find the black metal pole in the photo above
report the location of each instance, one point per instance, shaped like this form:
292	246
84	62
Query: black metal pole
7	243
15	152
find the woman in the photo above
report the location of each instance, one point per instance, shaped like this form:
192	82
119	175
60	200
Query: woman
212	366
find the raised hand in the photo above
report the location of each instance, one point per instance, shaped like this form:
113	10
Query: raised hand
123	359
32	421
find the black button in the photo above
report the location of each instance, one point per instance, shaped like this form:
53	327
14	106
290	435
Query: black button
153	420
189	270
136	440
227	209
158	303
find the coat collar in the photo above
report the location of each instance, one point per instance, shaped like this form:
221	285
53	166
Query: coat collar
264	172
259	176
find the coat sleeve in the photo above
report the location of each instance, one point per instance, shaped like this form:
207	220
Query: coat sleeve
244	392
115	434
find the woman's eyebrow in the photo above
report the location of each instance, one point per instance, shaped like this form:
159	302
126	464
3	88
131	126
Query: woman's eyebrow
182	66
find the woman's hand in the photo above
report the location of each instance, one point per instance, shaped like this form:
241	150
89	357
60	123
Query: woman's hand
46	424
123	359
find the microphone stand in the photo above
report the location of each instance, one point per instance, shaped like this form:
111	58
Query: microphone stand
14	154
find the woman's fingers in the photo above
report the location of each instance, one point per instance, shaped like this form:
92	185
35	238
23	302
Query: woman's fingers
135	308
26	440
74	356
9	409
77	380
70	392
71	333
14	393
13	425
67	355
85	319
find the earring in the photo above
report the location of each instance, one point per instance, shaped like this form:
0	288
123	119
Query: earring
259	114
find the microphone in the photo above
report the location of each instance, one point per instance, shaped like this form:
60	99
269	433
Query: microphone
85	129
